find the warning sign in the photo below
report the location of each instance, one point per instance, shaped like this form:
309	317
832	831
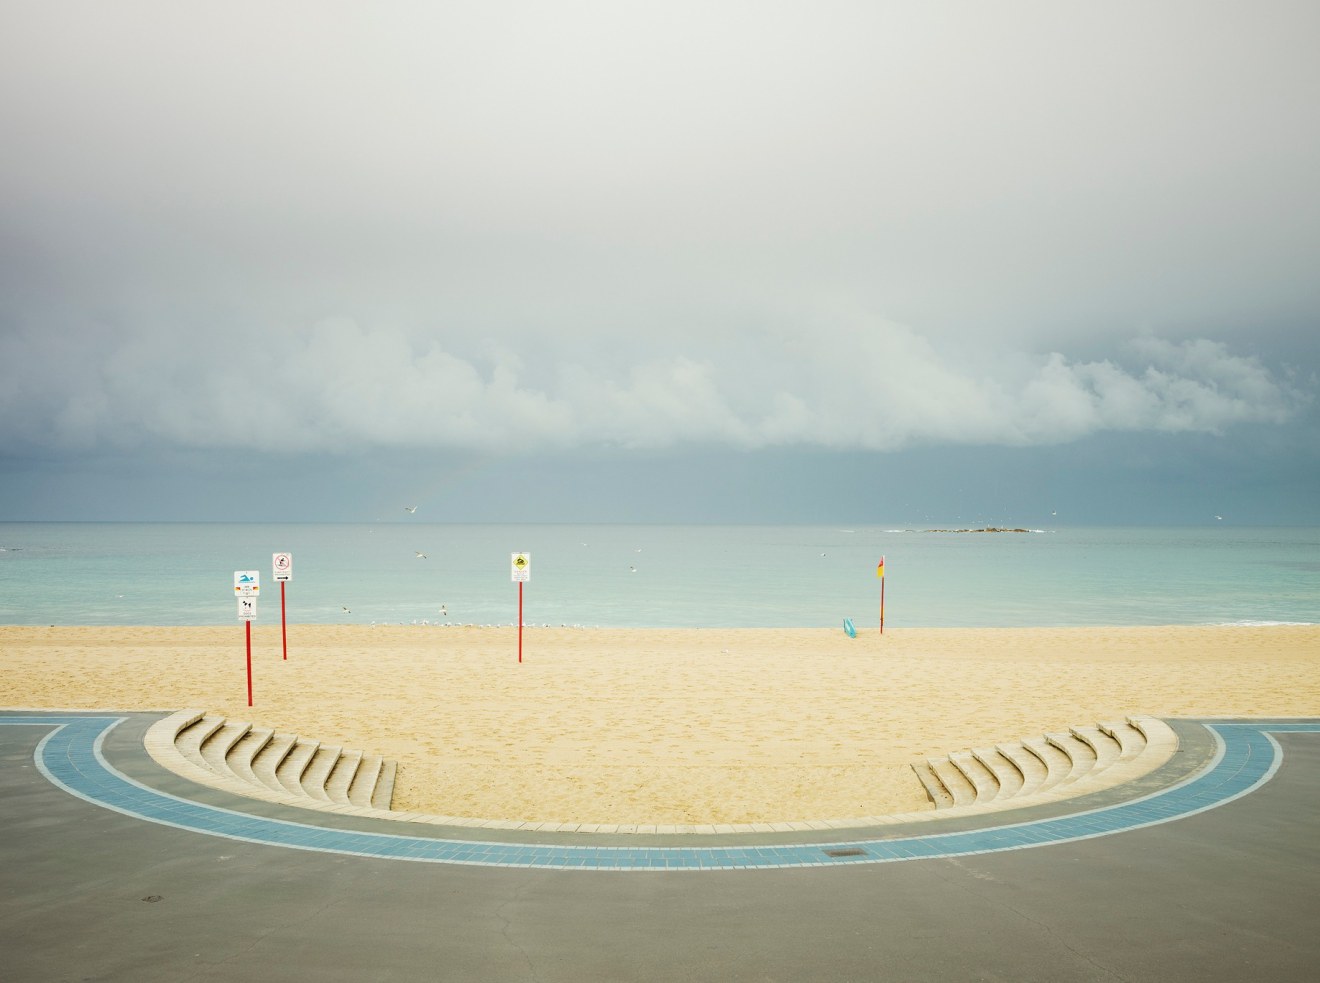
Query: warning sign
522	567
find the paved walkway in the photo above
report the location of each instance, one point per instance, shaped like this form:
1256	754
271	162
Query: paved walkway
1207	869
1245	755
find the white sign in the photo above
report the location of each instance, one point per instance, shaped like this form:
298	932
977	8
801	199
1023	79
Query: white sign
247	583
522	567
283	564
247	608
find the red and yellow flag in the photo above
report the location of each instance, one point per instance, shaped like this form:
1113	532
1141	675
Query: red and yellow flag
880	570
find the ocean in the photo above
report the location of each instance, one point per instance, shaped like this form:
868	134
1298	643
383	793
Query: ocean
659	575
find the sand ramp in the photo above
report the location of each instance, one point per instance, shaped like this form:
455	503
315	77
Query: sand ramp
263	763
1048	767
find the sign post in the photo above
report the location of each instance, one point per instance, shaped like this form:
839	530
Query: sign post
247	585
880	572
522	572
283	564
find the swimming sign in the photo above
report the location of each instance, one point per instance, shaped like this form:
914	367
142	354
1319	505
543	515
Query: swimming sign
247	583
522	567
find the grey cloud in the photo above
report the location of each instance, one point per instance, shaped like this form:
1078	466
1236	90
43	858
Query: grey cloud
339	384
846	225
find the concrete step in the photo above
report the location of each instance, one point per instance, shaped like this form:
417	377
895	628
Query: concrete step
1007	774
341	776
194	735
257	761
1086	758
1130	740
215	750
290	771
364	781
244	750
1081	759
984	785
265	765
383	796
1056	763
955	783
1104	747
1030	767
318	771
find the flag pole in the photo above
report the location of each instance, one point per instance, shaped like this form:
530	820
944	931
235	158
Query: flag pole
880	572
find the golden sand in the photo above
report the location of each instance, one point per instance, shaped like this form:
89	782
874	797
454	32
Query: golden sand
666	726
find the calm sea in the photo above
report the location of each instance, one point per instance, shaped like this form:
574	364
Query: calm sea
659	576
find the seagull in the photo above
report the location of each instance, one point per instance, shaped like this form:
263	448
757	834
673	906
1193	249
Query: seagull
1220	518
632	569
443	611
420	555
410	509
345	610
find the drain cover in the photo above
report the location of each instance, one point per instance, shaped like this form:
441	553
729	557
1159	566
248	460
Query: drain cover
851	851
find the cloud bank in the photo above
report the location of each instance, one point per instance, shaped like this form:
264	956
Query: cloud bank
341	385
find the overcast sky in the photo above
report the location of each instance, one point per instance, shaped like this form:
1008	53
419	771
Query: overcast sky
705	261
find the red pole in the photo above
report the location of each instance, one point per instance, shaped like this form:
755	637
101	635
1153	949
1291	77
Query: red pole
249	660
284	631
882	605
520	619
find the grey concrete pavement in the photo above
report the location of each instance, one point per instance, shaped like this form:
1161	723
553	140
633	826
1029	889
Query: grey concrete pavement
89	894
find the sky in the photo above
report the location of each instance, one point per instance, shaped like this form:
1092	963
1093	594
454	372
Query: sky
717	261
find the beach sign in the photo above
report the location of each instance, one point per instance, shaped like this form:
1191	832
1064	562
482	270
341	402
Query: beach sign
282	564
246	586
522	572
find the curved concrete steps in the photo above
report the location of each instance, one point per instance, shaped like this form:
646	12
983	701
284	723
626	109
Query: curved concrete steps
263	764
1047	768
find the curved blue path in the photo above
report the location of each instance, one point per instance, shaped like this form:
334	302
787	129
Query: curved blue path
71	757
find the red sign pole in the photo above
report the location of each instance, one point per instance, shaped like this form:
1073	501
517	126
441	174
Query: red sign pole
249	660
284	632
520	619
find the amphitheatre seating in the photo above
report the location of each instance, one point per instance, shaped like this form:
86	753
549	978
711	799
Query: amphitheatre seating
262	763
1047	768
280	767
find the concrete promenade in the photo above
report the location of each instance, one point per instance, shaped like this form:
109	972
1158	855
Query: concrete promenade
1207	869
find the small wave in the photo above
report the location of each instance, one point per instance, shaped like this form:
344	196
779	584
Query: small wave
1264	624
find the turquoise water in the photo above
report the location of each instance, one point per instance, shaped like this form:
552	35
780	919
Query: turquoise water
659	576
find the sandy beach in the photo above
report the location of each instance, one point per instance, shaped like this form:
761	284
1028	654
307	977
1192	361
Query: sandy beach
666	726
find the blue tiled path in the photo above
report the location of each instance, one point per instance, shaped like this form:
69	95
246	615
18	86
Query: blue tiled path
70	756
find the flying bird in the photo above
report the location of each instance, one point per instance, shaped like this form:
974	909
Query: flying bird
420	555
345	610
410	509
